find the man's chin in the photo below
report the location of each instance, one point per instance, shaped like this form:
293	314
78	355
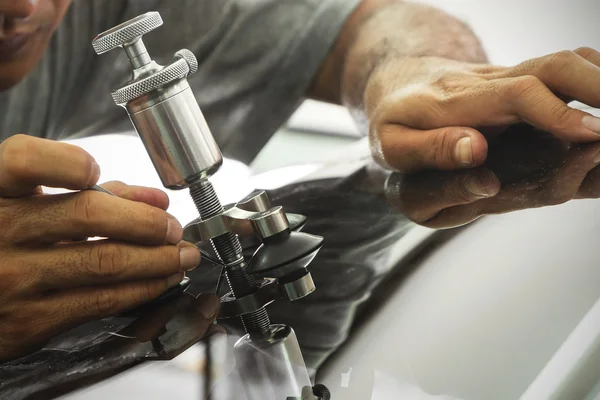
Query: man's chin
15	70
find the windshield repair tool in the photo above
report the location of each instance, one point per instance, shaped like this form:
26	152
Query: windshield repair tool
168	119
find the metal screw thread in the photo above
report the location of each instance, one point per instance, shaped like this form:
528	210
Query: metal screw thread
227	246
206	199
229	250
243	283
257	322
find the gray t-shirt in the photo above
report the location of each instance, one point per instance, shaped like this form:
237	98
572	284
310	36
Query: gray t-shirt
257	59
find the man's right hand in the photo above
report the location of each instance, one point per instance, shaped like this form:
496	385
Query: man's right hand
430	113
51	281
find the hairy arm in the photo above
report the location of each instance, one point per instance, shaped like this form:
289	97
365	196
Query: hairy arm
383	29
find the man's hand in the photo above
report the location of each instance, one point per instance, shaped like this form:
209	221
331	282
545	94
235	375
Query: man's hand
433	113
418	82
51	280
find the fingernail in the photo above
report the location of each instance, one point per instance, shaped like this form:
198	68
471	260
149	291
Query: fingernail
174	231
463	152
175	280
597	159
189	258
95	174
592	123
475	187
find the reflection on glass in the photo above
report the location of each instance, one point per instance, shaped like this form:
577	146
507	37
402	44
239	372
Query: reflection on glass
525	169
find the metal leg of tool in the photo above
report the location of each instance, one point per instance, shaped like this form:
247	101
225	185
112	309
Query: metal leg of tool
166	115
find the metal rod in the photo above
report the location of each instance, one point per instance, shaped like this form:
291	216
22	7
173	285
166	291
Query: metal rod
229	249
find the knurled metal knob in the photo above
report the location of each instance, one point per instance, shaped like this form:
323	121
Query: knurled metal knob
157	80
148	76
127	33
189	58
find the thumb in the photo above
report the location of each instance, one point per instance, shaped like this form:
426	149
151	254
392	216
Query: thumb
408	150
26	163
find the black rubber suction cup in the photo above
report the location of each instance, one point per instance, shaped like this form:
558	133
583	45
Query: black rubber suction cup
284	253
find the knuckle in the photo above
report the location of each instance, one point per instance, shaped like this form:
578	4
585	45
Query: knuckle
585	52
108	260
561	113
445	84
17	275
169	259
525	86
104	302
18	321
15	156
561	60
561	118
84	208
145	293
155	221
451	87
440	148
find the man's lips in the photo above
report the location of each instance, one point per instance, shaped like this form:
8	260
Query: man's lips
12	44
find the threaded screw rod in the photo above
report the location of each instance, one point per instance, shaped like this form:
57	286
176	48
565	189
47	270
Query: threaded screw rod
229	250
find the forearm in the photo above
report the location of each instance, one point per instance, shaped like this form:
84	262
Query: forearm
383	29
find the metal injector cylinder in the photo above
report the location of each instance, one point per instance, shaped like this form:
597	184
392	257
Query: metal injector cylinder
168	119
162	106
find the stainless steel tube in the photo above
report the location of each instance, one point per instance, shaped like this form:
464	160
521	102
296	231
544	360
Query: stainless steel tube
177	139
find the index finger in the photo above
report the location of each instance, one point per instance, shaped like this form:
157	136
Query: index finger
27	163
567	73
538	106
151	196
